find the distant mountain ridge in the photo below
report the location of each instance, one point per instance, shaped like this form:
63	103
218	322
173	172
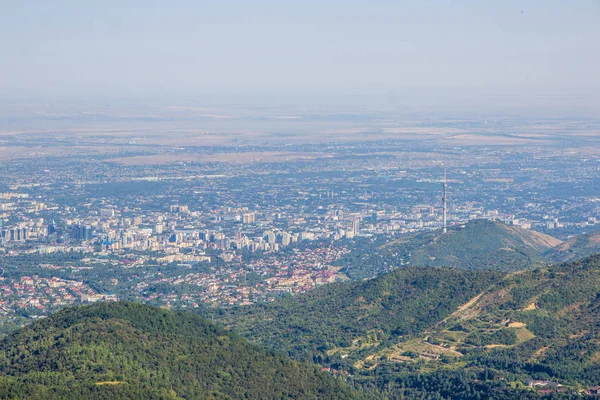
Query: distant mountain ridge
579	246
477	244
133	351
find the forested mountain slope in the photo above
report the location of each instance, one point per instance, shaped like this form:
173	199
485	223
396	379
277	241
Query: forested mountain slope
446	333
542	324
577	247
478	244
405	301
126	350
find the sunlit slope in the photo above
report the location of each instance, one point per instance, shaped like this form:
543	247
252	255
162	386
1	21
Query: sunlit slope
478	244
541	324
422	330
356	315
577	247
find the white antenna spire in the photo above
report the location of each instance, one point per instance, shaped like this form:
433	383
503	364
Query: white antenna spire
444	201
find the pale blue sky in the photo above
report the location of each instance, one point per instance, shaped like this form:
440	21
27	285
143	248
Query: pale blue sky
181	48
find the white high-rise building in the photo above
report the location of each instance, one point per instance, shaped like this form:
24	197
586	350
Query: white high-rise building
356	226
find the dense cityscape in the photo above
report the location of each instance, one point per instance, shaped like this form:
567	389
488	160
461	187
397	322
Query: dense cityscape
256	222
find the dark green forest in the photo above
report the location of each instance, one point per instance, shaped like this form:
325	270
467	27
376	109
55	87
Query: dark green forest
402	302
445	332
133	351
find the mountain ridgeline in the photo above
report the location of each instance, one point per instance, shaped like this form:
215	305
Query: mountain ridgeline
445	332
126	350
577	247
478	244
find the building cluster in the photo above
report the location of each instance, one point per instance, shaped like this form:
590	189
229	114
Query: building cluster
240	283
39	295
181	234
251	232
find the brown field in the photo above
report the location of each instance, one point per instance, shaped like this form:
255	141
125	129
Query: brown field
539	353
13	152
424	131
499	180
491	140
423	348
234	158
534	135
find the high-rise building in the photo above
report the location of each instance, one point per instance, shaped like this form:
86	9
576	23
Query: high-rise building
81	232
107	213
285	238
52	227
269	236
249	218
356	226
17	234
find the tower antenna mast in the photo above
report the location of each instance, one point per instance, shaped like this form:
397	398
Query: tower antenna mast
444	200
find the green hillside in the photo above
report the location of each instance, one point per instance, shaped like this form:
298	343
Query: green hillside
577	247
335	319
446	333
125	350
542	324
479	244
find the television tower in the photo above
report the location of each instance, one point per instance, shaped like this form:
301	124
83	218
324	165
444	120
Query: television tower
444	199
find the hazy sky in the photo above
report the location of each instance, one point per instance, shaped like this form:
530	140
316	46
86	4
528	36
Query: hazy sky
181	47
